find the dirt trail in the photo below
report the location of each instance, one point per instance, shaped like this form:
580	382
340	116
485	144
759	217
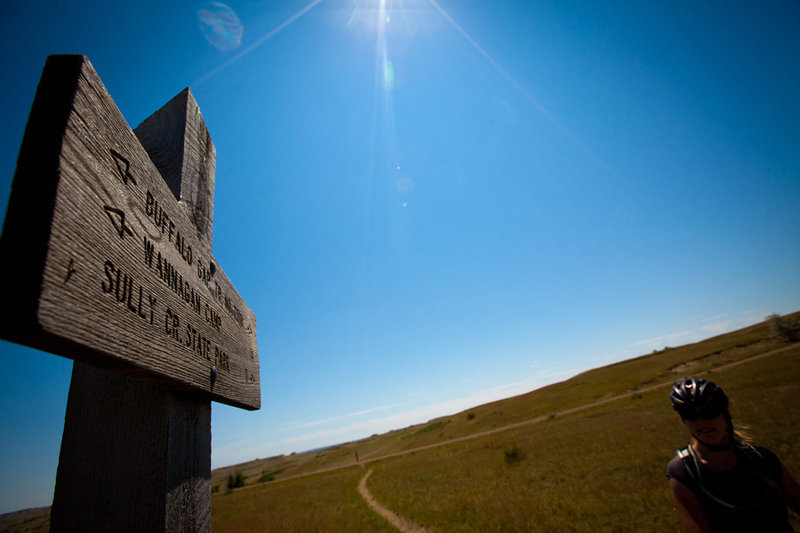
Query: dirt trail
542	418
532	421
401	524
405	526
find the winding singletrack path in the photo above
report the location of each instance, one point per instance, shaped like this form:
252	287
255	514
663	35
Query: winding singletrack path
540	419
401	524
404	526
531	421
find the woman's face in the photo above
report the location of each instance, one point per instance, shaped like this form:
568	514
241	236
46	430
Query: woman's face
709	430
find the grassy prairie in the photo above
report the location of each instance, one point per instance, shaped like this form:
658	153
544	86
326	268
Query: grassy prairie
597	470
601	383
324	502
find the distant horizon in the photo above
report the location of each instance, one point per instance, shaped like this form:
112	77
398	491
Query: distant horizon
561	380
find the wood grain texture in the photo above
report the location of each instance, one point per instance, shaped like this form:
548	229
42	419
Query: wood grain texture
180	146
112	468
111	268
188	488
26	231
134	457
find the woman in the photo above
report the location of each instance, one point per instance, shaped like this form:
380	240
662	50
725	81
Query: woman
719	482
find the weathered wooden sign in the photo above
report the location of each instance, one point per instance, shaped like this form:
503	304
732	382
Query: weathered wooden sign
102	264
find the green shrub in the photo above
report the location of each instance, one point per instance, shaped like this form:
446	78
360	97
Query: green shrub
235	480
783	328
514	454
269	476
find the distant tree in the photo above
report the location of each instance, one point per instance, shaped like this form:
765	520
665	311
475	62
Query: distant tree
235	480
783	328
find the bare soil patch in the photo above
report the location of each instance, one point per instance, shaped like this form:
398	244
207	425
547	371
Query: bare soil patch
401	524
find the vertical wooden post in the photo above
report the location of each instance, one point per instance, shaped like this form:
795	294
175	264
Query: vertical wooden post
136	456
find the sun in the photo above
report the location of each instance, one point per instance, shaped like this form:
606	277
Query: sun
402	18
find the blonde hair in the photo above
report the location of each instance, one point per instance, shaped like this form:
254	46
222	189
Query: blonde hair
741	432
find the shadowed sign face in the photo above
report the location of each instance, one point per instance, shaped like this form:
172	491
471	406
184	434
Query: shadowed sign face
107	266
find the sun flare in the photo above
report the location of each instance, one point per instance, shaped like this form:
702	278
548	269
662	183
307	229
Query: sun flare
403	18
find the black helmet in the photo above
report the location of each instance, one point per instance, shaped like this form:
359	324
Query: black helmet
693	393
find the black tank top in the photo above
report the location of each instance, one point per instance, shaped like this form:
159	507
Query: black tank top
742	487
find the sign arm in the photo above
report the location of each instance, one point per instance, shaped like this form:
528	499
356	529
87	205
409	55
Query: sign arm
110	265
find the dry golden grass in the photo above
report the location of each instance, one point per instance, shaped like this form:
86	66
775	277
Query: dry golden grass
27	521
324	502
597	470
597	384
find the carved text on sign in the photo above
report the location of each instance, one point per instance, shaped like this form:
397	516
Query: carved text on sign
119	275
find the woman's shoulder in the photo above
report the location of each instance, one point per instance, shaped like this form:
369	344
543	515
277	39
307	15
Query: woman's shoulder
764	456
677	470
766	453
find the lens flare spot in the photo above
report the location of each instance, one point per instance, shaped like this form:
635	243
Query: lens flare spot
388	74
220	26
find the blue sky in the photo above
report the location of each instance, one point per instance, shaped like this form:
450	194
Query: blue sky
431	204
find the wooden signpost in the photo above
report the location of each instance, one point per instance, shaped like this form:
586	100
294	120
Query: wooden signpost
106	253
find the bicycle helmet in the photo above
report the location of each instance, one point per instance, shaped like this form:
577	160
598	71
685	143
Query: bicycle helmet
697	393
